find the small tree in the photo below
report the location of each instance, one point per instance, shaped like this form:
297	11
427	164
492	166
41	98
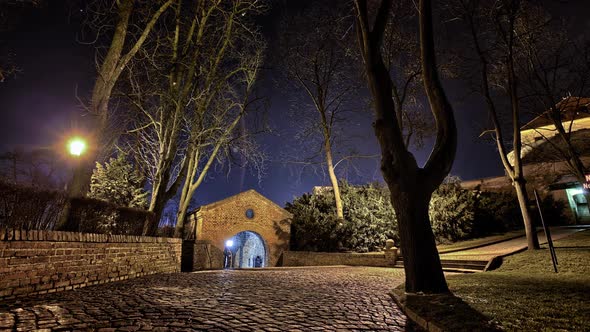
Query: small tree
117	182
36	168
319	70
554	68
496	44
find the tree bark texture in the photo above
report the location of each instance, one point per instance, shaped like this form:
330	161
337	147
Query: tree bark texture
334	181
425	273
523	200
410	186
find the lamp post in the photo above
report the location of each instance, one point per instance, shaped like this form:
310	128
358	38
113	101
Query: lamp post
76	146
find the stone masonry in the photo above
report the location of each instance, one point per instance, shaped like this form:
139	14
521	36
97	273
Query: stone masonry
39	262
217	222
386	258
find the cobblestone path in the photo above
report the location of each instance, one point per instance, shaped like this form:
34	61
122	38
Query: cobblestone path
295	299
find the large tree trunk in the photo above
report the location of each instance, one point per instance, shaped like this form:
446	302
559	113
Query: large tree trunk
185	196
101	94
181	215
411	187
523	200
157	205
422	264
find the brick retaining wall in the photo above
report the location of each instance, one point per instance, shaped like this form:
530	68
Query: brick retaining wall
308	258
39	262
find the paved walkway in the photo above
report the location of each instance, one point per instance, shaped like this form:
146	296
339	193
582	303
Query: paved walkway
309	299
507	247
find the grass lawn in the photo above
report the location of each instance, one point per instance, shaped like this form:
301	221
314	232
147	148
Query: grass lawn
524	294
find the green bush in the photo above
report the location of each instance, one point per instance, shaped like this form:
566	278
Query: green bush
314	226
119	183
369	220
32	209
452	211
496	212
369	217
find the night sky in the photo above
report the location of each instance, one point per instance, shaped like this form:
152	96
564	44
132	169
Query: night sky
40	105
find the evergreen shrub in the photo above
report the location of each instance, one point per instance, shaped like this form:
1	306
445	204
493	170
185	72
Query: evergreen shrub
369	219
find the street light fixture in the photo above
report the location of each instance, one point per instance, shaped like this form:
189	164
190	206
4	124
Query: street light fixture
76	146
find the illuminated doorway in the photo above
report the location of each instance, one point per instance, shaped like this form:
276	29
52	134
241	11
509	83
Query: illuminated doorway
248	250
579	205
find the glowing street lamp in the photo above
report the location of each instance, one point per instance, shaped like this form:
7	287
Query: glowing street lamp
229	243
76	146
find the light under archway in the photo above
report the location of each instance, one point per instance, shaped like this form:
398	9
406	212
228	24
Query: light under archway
248	250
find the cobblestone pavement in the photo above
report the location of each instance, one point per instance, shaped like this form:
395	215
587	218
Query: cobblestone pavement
294	299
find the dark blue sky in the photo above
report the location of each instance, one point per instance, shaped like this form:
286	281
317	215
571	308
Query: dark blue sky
40	105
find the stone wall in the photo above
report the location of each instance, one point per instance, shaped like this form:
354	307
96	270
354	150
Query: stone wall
201	255
39	262
308	258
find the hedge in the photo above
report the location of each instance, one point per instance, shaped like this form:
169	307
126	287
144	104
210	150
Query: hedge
32	209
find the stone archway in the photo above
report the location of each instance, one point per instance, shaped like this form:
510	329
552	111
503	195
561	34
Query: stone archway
250	214
248	250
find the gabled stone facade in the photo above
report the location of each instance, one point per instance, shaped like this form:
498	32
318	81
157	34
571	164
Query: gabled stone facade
213	224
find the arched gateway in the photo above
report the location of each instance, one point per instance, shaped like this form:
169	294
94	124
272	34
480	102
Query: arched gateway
248	227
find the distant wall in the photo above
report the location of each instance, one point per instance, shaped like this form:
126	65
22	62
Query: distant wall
308	258
201	255
39	262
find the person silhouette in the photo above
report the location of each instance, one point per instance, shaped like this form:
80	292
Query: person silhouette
228	258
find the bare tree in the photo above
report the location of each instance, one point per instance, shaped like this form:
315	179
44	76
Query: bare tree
411	186
192	87
555	72
216	137
491	28
132	26
319	68
39	168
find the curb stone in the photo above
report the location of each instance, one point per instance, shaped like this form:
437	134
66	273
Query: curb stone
399	298
444	312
